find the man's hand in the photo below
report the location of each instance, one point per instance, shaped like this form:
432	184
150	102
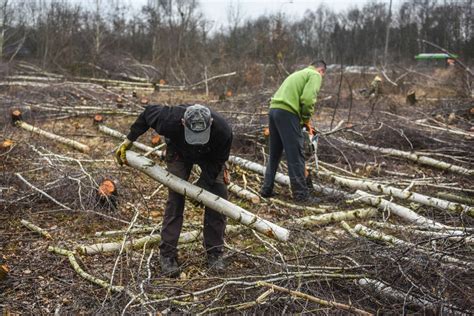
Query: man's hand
120	154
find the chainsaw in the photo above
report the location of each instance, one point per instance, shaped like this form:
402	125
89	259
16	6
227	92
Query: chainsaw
310	144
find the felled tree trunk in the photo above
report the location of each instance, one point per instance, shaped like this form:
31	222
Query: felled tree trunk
407	195
72	143
243	193
410	156
111	132
336	217
378	202
209	199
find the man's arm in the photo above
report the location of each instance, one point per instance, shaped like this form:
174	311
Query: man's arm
148	118
309	95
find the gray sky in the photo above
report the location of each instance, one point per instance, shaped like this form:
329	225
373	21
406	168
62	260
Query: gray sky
216	10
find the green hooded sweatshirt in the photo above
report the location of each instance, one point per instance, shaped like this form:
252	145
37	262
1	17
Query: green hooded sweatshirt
298	93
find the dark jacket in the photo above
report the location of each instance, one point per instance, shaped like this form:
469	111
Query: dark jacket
166	121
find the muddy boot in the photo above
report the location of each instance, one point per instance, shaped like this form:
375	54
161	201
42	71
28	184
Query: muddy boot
266	194
169	266
215	262
308	201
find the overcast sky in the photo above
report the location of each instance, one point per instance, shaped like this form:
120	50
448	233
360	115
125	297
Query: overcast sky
216	10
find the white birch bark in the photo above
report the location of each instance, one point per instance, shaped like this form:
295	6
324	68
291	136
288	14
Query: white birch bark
209	199
111	132
336	217
411	156
402	194
243	193
378	202
66	141
150	240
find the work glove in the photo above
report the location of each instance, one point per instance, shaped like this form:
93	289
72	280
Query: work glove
120	154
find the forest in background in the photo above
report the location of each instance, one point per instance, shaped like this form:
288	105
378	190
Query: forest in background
173	40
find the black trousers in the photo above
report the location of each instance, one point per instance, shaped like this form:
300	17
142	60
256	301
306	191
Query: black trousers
214	222
285	134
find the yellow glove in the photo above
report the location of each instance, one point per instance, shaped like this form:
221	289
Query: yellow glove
120	154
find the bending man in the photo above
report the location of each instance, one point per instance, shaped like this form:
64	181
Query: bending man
194	135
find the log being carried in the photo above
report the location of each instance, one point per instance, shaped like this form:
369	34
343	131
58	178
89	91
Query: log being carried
195	135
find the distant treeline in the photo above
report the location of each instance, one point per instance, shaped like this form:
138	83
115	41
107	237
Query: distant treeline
177	39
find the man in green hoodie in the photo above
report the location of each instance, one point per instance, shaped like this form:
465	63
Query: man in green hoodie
291	108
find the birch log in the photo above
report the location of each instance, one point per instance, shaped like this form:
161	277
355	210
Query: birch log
135	244
147	241
111	132
210	200
402	194
410	156
243	193
396	209
378	202
453	235
63	140
336	217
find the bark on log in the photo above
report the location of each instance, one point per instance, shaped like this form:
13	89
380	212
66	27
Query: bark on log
453	235
211	200
378	202
36	229
111	132
147	241
72	143
243	193
336	217
410	156
402	194
396	209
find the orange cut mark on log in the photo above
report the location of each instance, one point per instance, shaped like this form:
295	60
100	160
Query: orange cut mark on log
162	82
155	140
107	188
7	143
98	118
266	132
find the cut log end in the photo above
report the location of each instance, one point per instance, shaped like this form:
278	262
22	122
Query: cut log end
98	119
266	132
3	268
16	116
6	145
107	189
156	140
